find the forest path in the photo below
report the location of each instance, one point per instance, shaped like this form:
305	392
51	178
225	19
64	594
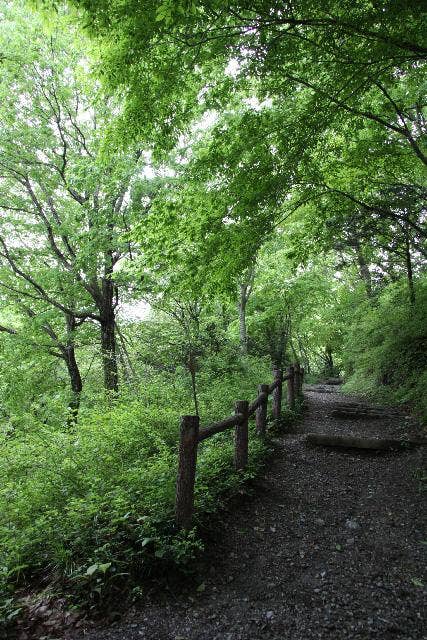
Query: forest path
328	546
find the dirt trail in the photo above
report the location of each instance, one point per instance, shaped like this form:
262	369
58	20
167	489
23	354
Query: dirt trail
329	546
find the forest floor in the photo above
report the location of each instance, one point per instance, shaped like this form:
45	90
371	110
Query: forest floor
329	543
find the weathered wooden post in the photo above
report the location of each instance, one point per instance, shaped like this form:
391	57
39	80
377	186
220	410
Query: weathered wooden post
302	377
241	436
184	501
297	378
291	387
261	412
277	395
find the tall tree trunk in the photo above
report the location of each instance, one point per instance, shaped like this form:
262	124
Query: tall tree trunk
329	361
109	352
108	326
76	383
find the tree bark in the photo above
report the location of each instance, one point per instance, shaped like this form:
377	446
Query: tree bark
108	351
108	326
76	384
329	361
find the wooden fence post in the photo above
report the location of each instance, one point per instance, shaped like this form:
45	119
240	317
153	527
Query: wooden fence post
302	376
297	378
241	436
261	412
184	501
291	387
277	395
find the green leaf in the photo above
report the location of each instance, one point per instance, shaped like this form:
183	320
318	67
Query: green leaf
91	570
145	542
104	567
417	582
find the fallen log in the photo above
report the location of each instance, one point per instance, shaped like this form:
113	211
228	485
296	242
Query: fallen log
357	414
333	381
319	389
357	442
357	411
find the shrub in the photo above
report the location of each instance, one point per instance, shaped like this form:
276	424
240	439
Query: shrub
90	509
385	354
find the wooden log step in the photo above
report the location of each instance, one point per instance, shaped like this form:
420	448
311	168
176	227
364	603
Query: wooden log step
319	389
357	442
356	412
355	415
333	381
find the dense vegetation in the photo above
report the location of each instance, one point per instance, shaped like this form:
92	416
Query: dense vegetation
190	194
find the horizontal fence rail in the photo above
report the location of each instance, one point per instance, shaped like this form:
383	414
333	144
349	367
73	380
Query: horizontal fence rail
191	434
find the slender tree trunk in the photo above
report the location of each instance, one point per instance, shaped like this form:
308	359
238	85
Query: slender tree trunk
108	327
76	385
76	382
109	355
125	357
329	361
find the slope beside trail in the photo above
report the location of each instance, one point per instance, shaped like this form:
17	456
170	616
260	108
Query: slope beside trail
331	544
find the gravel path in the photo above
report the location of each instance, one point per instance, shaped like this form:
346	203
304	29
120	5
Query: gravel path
329	546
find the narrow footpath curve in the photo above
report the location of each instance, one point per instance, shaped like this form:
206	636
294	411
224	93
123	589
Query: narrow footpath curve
330	546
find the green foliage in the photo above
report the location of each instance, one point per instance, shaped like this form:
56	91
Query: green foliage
385	350
167	161
93	508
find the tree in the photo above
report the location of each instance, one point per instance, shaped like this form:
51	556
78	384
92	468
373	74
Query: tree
65	203
356	58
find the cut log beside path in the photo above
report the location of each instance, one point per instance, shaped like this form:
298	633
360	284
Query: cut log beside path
357	442
333	381
357	410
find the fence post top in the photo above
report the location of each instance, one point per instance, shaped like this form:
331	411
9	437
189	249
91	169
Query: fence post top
277	373
189	423
242	406
263	387
297	366
291	367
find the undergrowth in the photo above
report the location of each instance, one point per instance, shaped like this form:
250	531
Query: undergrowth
89	513
385	353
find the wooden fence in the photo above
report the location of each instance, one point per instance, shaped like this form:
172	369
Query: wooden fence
191	435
